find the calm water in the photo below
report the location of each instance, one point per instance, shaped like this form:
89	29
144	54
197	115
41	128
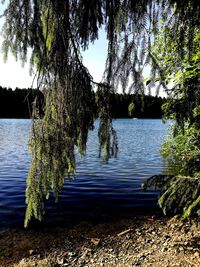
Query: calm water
99	190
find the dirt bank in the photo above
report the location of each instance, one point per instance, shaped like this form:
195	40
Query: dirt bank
145	241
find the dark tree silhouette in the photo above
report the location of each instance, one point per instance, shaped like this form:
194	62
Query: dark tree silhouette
19	103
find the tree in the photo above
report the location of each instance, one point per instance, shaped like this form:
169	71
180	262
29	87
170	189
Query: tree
56	31
180	193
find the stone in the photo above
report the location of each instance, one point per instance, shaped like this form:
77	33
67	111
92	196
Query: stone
32	252
60	261
164	249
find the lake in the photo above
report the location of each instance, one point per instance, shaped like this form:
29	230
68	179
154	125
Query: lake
99	190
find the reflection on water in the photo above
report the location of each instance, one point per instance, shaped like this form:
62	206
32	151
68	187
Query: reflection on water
99	189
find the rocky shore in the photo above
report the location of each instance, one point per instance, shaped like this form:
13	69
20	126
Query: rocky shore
145	241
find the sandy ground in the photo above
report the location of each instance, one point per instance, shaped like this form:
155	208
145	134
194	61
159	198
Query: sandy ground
144	241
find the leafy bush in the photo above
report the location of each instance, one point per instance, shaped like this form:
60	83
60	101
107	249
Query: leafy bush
182	151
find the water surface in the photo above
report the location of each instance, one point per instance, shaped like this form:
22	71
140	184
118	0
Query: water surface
99	190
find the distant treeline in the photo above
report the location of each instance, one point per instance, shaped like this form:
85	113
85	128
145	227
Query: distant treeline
18	104
145	106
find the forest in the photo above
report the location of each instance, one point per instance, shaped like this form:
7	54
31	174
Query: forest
18	103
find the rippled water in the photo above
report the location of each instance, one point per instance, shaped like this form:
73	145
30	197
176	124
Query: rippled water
99	190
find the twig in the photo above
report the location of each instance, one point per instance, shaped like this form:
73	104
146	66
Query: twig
125	232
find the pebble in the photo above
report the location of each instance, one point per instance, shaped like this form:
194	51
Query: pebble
165	244
60	261
164	249
70	254
139	251
32	252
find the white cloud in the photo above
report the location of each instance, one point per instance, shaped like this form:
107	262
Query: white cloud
12	74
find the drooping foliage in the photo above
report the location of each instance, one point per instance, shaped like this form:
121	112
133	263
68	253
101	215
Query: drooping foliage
178	194
178	62
56	31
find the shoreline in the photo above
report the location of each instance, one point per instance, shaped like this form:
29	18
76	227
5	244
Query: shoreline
141	241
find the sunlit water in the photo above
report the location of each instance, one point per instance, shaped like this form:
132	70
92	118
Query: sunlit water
99	190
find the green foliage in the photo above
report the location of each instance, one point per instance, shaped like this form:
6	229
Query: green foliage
178	194
56	31
52	145
193	208
181	196
182	152
178	71
131	109
182	149
107	134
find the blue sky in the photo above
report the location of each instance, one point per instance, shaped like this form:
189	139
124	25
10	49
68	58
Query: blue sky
95	57
13	75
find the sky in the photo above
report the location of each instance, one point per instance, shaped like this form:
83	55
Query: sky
13	75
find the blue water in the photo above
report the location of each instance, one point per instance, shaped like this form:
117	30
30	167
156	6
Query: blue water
99	190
